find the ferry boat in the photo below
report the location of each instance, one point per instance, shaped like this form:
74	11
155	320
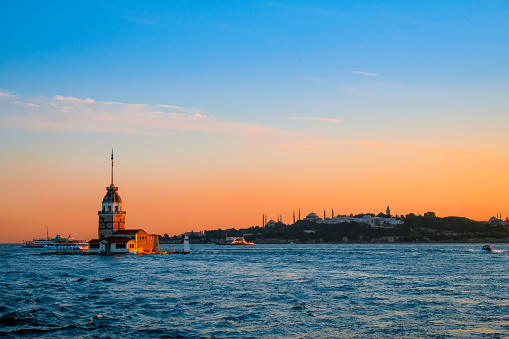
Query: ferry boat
67	246
38	243
234	241
42	242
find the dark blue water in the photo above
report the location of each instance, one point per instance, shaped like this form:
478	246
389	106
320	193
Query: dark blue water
297	291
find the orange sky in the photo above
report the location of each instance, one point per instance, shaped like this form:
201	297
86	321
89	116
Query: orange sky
165	191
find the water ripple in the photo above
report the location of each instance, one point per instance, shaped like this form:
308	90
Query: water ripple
298	291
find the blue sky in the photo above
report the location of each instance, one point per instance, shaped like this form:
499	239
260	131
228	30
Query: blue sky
394	87
254	56
395	64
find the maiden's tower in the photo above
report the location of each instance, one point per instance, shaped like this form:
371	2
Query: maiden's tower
112	236
111	217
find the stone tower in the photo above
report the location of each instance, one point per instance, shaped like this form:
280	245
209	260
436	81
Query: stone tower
388	212
111	217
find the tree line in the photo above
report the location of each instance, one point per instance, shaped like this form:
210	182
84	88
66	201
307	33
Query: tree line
416	228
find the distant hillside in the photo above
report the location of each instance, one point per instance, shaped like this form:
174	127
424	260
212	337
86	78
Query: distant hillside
415	229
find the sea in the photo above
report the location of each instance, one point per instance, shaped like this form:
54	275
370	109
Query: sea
260	291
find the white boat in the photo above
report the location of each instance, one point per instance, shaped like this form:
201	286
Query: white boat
70	246
66	246
41	242
38	243
234	241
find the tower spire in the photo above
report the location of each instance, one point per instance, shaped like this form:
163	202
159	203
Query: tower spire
112	167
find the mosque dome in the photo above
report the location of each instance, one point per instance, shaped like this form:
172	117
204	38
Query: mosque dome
312	216
112	195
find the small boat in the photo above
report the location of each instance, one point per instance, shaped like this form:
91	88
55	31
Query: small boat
234	241
487	248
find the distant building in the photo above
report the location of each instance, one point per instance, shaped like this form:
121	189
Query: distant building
493	220
312	217
374	222
271	223
125	241
497	221
112	235
200	234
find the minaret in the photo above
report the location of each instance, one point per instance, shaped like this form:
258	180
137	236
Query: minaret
388	212
333	213
324	214
294	217
111	217
299	213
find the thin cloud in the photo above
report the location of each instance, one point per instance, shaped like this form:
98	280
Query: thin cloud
169	106
60	113
368	74
7	95
314	119
74	114
73	99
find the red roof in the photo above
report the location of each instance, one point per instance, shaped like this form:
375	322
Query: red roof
114	240
120	232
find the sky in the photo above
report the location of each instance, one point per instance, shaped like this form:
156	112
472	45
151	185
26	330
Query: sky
219	112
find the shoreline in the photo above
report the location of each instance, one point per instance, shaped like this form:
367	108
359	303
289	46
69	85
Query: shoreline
490	241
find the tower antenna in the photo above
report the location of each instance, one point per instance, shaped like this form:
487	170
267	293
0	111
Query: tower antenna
112	167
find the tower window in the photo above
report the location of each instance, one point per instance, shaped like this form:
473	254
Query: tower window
116	208
104	208
109	208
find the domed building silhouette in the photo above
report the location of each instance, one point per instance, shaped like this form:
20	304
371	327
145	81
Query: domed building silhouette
312	217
